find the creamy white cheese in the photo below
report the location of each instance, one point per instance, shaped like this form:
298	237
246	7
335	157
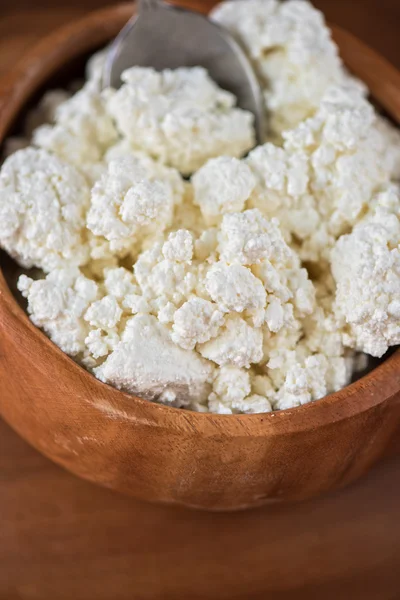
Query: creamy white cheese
254	285
293	53
133	199
146	362
366	268
180	117
82	132
222	186
58	305
43	203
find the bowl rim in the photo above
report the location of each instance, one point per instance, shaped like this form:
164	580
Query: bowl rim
16	86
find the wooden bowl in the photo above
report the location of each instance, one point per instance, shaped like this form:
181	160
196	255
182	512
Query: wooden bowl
167	455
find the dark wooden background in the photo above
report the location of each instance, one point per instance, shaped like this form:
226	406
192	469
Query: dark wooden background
64	539
21	21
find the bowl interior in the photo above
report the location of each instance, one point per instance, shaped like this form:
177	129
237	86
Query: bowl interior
73	72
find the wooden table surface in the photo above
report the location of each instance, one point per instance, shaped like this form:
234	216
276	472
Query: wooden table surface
62	538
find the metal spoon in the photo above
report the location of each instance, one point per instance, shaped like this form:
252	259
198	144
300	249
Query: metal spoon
166	37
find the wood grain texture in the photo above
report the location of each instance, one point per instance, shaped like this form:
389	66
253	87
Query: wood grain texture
63	538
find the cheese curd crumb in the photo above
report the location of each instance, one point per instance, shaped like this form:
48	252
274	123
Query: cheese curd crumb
222	186
165	282
180	117
232	394
58	304
235	288
179	246
43	203
196	322
132	200
303	383
248	238
366	268
252	240
82	131
238	344
293	53
146	362
348	161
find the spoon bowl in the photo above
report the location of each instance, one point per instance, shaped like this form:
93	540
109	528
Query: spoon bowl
163	36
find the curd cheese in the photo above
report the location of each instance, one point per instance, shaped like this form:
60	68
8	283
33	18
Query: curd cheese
178	262
292	51
43	204
180	117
